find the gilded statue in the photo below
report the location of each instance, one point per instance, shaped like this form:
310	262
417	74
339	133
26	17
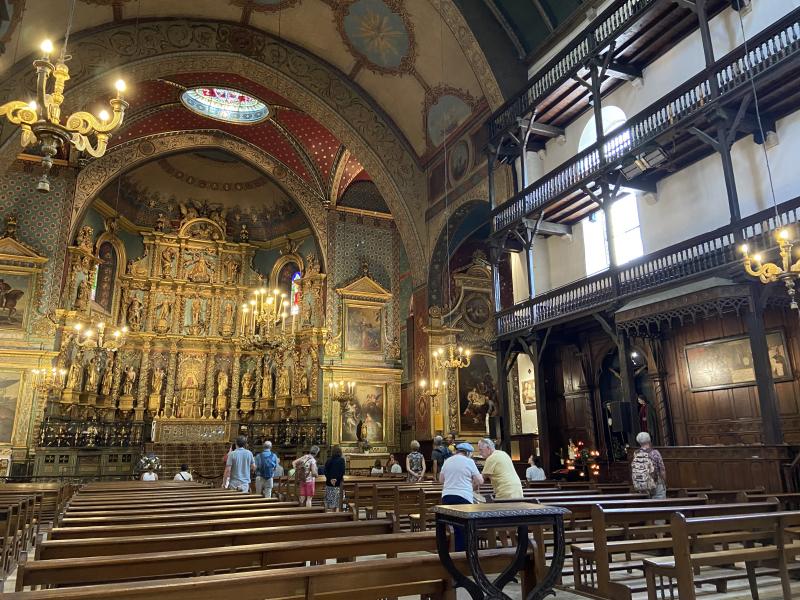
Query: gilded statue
232	268
158	381
227	318
244	235
283	382
108	379
304	384
84	238
196	309
248	383
133	314
164	314
74	376
161	223
201	270
167	256
82	297
222	384
266	384
130	380
92	376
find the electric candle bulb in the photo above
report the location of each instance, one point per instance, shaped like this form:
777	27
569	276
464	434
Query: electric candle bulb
46	47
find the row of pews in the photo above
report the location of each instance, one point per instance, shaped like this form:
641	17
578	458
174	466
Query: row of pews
26	510
176	541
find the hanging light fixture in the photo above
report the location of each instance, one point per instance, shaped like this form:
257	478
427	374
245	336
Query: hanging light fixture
94	336
40	119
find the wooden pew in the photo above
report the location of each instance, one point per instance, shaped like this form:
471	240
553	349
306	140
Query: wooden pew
788	501
247	502
55	495
637	528
155	565
187	515
684	564
114	546
363	580
63	533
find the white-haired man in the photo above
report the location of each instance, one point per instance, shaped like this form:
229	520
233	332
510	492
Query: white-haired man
266	463
499	469
648	472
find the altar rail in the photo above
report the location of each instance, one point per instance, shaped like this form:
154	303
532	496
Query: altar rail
697	257
91	433
766	54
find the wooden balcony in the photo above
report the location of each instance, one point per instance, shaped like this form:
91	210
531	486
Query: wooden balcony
769	62
699	257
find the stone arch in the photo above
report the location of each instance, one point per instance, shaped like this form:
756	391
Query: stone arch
120	159
467	218
161	47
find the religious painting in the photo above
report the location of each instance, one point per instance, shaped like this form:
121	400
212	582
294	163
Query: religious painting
477	310
103	292
15	297
9	394
528	393
477	393
445	113
364	414
459	161
363	329
728	362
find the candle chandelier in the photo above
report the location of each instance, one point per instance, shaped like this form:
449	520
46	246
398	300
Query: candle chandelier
263	321
768	272
94	336
40	118
46	381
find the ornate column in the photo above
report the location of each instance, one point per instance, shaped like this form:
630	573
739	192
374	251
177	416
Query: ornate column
172	374
211	364
144	380
236	371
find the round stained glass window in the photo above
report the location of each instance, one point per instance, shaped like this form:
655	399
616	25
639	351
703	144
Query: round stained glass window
225	104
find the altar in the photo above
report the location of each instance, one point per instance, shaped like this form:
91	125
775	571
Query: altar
358	461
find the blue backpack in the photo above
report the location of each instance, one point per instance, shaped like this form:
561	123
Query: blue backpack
267	464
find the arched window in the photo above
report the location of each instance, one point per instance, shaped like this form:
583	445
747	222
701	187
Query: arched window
105	276
295	294
626	232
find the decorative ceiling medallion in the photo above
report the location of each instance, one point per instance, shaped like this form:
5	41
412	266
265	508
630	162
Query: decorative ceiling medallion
379	33
446	108
225	104
265	5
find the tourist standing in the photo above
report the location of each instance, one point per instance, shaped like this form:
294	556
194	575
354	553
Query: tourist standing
306	474
183	474
334	475
439	454
648	472
392	466
451	442
377	468
460	478
149	475
266	462
239	467
535	472
499	469
415	463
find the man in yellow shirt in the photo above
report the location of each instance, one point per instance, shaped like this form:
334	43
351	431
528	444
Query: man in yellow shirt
499	469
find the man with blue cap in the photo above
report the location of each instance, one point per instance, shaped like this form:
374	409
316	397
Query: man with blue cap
460	478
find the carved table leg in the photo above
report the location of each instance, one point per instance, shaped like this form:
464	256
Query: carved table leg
443	548
544	588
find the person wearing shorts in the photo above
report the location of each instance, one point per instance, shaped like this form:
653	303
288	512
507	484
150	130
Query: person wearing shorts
306	472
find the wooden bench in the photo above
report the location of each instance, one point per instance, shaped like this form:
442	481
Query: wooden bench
154	565
187	515
636	531
685	564
114	546
62	533
249	502
788	501
364	580
54	495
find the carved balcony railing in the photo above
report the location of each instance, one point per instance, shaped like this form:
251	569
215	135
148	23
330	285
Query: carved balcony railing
606	28
766	54
290	434
698	257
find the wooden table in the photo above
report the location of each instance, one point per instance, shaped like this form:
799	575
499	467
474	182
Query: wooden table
519	515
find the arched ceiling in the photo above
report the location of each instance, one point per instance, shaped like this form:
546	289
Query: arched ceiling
417	59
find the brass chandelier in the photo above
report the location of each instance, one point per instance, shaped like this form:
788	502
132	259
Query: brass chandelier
40	119
94	336
768	272
263	322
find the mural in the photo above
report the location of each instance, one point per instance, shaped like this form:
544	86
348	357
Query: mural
225	104
9	393
477	393
14	299
365	411
379	33
458	161
445	113
364	329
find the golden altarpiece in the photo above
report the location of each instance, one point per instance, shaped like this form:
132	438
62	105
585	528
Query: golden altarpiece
184	364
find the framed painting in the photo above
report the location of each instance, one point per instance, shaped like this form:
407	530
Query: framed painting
728	362
16	290
9	396
365	411
527	390
477	394
364	329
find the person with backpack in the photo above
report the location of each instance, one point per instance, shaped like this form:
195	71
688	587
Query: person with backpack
305	472
648	473
266	462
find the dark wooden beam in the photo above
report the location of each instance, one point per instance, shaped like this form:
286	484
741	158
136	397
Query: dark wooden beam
541	129
623	72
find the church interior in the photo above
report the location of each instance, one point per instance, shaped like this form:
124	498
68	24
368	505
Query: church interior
544	240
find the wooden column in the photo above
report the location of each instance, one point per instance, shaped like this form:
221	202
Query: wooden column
626	377
503	397
767	397
535	354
